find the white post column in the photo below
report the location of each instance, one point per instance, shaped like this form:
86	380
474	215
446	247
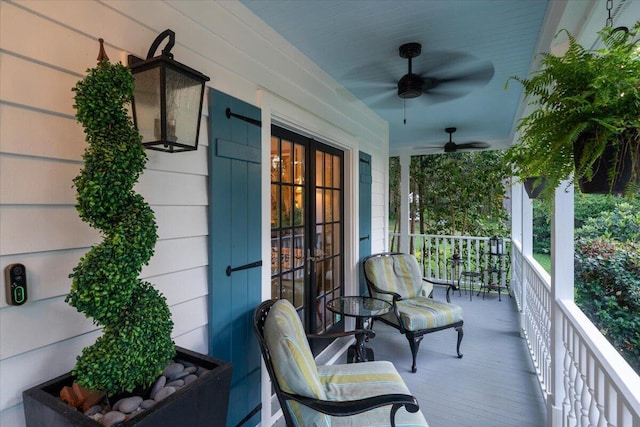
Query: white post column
527	223
516	210
403	217
527	250
562	283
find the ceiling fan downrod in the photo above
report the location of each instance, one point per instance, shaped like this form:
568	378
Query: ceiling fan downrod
410	85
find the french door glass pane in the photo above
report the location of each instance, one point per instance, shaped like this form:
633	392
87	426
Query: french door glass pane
306	233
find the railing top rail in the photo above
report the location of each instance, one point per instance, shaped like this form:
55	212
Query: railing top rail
621	373
538	270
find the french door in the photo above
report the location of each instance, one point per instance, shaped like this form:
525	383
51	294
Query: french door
307	214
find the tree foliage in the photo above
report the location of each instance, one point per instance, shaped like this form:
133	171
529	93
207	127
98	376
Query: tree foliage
587	207
607	265
459	193
607	289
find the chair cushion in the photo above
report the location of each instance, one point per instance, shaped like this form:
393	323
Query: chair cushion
361	380
293	363
399	273
420	313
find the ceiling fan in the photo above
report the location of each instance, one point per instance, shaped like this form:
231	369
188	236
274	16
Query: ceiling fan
413	85
452	147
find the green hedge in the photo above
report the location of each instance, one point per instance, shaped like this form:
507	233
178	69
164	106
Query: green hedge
607	286
607	266
586	207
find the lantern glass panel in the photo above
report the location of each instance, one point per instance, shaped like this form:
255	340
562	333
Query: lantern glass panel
183	95
147	104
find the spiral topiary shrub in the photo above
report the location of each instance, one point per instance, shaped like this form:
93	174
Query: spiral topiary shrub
136	342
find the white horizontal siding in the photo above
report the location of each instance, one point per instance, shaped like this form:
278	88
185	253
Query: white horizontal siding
45	48
54	136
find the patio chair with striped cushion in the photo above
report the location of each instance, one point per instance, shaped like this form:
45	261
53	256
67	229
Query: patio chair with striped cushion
396	277
356	394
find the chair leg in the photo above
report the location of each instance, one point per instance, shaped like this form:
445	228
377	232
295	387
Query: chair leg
460	335
414	343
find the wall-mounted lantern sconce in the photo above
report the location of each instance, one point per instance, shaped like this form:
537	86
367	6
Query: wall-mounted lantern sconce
167	101
496	246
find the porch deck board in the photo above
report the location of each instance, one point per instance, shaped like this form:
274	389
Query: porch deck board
494	384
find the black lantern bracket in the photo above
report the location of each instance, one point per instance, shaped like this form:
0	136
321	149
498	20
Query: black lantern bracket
165	125
133	60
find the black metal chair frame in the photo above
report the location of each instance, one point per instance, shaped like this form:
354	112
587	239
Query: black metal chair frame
414	337
332	408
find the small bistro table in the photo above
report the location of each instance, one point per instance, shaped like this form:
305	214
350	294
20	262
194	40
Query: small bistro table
361	308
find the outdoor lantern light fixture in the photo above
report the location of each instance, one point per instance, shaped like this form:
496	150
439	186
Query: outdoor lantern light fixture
167	101
496	246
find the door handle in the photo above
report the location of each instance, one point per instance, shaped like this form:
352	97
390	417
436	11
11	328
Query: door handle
312	258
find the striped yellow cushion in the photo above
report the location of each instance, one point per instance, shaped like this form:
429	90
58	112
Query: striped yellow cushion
425	313
399	273
361	380
293	363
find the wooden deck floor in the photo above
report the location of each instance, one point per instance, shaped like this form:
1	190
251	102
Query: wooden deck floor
493	385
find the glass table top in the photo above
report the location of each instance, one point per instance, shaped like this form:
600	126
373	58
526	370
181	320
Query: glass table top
358	306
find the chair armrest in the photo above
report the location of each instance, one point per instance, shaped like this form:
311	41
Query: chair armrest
396	296
352	407
368	332
438	282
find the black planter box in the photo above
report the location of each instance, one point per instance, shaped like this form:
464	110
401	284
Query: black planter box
532	191
204	402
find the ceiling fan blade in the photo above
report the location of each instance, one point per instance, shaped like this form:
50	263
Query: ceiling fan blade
385	101
440	61
438	96
478	74
369	93
429	147
474	145
376	75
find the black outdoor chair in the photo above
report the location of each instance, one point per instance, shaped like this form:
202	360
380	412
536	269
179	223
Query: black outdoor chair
397	278
356	394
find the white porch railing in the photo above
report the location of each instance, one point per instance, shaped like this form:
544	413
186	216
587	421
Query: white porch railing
596	387
600	388
434	253
532	290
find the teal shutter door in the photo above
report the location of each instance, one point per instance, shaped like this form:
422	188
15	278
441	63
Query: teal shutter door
234	243
365	214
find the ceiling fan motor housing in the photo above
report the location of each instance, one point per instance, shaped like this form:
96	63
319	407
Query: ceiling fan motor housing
410	86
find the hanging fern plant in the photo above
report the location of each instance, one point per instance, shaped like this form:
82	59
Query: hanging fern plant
136	342
586	105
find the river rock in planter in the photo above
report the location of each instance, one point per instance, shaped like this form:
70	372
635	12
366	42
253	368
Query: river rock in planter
196	404
112	418
157	386
128	404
